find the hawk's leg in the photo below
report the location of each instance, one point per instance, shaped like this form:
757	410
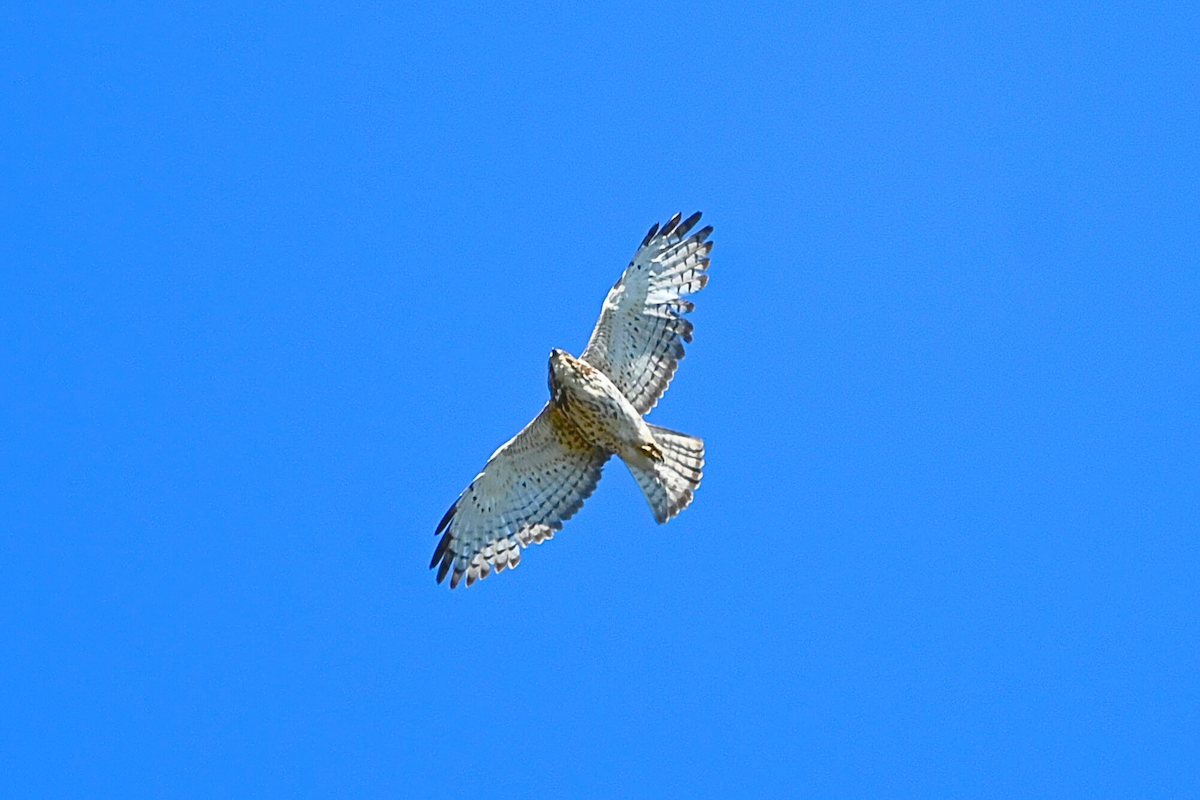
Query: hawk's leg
652	451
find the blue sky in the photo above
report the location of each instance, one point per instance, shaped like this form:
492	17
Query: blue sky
278	279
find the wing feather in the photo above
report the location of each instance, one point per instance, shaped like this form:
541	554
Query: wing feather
527	489
639	338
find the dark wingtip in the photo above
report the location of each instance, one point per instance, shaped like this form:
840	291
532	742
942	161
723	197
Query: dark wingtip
650	235
671	223
703	233
442	547
688	224
446	519
444	568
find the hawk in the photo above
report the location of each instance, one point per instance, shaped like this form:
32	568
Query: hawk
541	477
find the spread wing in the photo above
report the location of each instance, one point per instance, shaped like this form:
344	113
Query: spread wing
527	489
639	339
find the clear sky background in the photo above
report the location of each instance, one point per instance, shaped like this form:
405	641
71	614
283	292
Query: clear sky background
276	280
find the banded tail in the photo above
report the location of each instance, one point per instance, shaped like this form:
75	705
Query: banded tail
669	484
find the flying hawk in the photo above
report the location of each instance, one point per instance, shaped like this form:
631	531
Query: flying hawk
597	403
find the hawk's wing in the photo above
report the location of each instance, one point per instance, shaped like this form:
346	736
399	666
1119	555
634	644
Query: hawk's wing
639	339
526	490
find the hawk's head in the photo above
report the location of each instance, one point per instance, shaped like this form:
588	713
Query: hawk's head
566	369
560	363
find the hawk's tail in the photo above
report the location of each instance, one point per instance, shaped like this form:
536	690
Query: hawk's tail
669	484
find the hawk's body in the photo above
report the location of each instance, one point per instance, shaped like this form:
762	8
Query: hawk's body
589	402
542	476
